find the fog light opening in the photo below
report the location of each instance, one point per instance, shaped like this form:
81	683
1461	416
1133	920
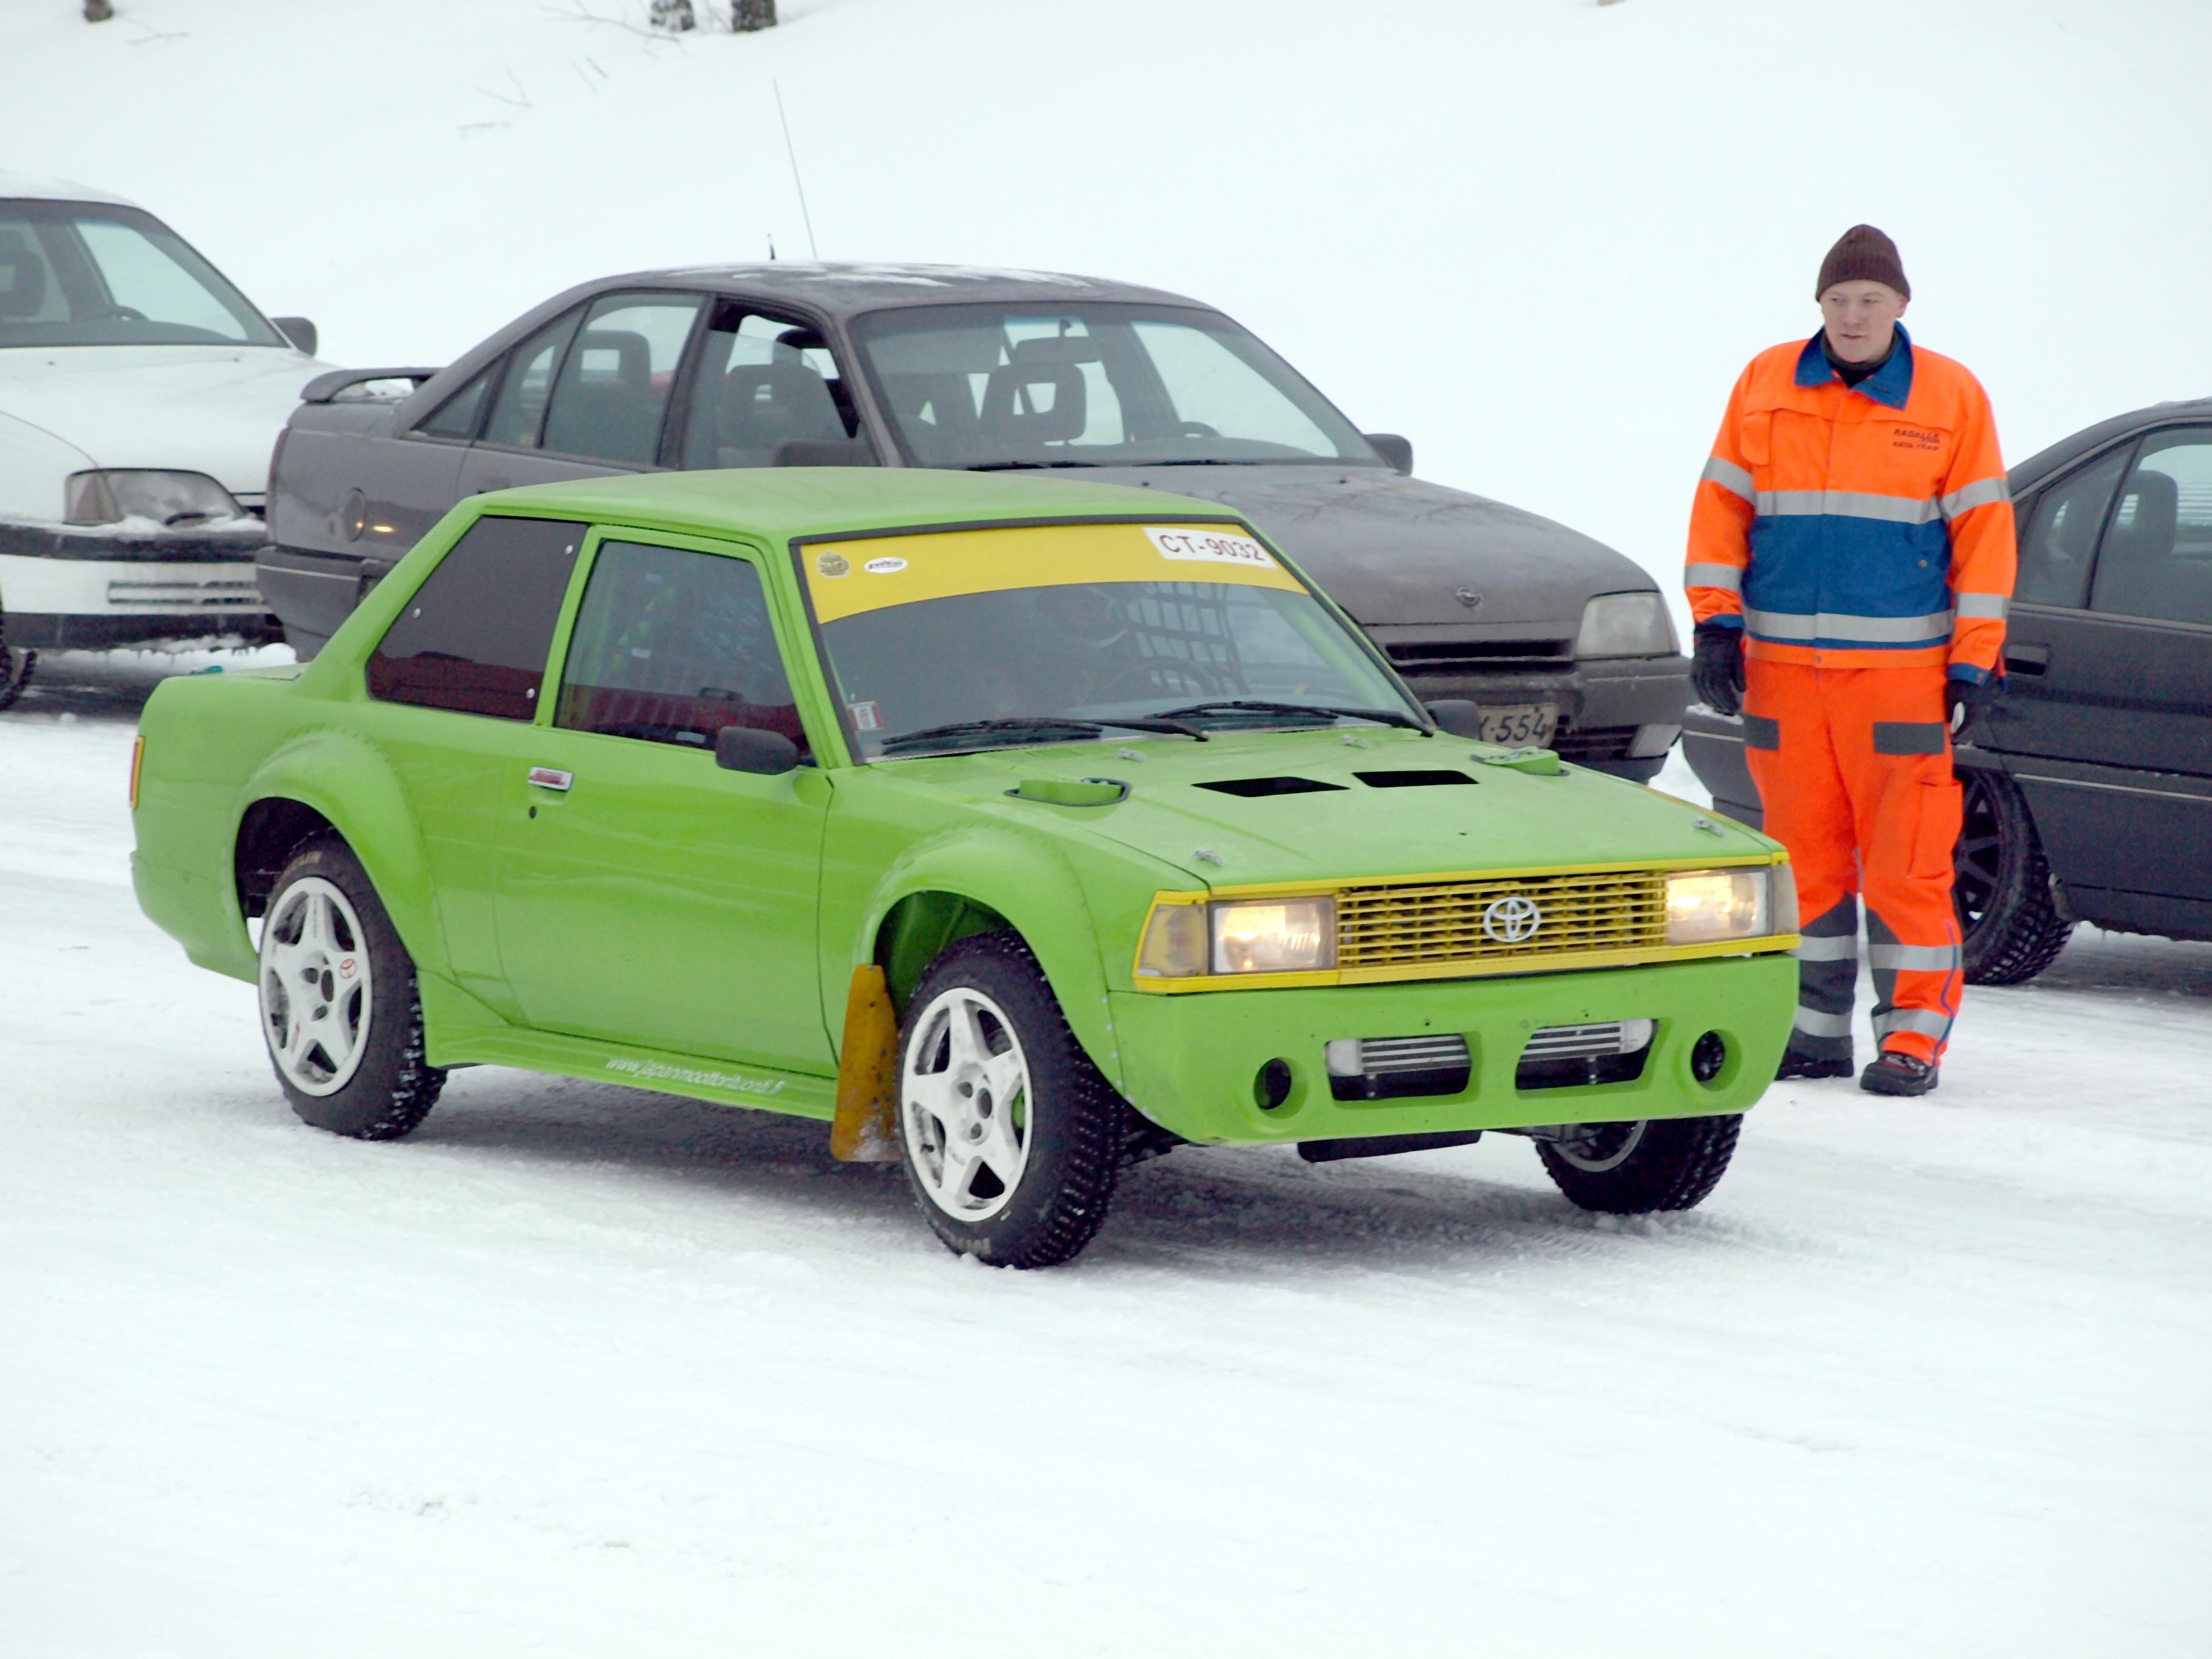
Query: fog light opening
1271	1084
1708	1057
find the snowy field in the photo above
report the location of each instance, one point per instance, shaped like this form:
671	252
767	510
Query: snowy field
584	1371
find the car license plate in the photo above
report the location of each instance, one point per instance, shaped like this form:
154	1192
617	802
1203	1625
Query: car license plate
1520	724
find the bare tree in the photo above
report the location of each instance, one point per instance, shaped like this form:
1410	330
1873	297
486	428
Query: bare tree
747	16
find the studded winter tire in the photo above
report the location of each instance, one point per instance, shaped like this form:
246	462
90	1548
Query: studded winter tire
1012	1139
339	1010
1633	1168
2000	884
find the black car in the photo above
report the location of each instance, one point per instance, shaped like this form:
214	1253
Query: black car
1559	641
2088	789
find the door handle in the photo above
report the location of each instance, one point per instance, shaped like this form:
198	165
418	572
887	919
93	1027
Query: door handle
2026	659
549	777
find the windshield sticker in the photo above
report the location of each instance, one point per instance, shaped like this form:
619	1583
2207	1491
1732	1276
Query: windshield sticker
943	564
865	717
1210	545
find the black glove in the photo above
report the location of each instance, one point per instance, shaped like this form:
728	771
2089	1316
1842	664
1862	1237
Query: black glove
1971	701
1716	668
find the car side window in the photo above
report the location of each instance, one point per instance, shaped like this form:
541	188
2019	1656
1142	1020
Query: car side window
456	417
2156	559
518	414
614	383
670	646
2060	542
475	637
763	382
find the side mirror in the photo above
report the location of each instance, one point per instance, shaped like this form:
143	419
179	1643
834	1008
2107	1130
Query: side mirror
1398	450
750	749
298	331
1457	716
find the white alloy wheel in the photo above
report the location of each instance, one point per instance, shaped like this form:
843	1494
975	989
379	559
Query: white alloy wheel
965	1104
1606	1147
316	995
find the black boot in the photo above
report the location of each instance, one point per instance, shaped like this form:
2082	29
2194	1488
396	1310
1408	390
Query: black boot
1896	1074
1797	1066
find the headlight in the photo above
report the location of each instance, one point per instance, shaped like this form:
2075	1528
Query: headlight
1707	907
167	498
1245	936
1625	625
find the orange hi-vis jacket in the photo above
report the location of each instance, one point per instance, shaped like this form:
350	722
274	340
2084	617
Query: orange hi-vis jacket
1859	527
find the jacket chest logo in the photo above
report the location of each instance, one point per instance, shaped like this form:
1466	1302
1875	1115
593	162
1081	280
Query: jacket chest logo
1911	437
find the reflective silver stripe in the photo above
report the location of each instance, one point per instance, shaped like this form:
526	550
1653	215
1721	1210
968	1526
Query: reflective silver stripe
1729	576
1842	948
1929	1022
1845	503
1926	958
1829	625
1976	495
1981	604
1813	1023
1729	477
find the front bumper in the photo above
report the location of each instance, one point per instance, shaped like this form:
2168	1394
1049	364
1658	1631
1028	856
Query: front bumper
63	588
1190	1063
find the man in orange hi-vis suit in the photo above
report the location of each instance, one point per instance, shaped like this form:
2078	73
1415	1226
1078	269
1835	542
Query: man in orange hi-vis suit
1851	560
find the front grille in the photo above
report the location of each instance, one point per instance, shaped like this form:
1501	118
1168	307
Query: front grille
1595	743
1615	1037
1437	657
1392	1069
1406	927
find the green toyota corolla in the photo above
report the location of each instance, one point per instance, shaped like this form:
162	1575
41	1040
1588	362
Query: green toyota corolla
1017	830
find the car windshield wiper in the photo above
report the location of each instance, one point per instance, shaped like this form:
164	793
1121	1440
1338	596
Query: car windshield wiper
1234	706
1041	728
1009	467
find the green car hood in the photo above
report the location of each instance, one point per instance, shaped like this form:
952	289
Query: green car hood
1377	825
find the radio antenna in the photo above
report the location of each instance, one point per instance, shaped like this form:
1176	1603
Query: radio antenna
789	150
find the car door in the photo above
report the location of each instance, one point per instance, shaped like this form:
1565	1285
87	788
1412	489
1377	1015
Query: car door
2108	724
646	895
453	687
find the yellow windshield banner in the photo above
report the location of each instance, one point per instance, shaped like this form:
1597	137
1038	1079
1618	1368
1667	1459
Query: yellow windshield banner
845	578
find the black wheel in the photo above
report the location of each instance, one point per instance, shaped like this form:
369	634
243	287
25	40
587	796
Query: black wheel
2001	885
1012	1140
1633	1169
339	1009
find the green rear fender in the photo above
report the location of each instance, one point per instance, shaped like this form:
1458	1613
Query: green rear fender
351	784
963	882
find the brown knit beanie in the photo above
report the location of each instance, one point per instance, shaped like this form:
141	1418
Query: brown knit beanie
1863	254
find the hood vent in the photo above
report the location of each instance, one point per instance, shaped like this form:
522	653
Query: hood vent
1251	787
1426	778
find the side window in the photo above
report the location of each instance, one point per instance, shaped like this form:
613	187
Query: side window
672	645
519	412
475	637
456	417
2060	541
763	382
615	382
2156	560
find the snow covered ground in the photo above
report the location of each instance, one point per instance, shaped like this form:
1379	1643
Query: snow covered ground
583	1371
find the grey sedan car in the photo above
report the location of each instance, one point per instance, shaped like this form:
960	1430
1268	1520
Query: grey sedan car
1558	639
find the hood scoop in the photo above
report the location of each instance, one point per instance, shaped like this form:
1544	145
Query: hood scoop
1250	787
1071	792
1424	777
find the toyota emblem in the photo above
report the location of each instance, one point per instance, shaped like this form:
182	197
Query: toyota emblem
1512	920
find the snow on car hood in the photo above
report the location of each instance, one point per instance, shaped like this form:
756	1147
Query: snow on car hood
211	409
1390	549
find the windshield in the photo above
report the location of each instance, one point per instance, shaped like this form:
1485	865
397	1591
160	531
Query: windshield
999	386
979	639
84	273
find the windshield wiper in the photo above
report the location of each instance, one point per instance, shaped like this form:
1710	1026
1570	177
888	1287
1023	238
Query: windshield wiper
1044	728
1009	467
1257	706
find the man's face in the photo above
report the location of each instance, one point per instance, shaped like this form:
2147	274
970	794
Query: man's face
1861	317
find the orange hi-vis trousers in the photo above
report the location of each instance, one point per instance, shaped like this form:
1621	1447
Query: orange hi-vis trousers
1854	772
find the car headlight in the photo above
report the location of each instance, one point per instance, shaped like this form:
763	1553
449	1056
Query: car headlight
1626	625
168	498
1243	936
1707	907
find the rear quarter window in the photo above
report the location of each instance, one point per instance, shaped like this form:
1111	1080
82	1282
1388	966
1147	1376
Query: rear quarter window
475	636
